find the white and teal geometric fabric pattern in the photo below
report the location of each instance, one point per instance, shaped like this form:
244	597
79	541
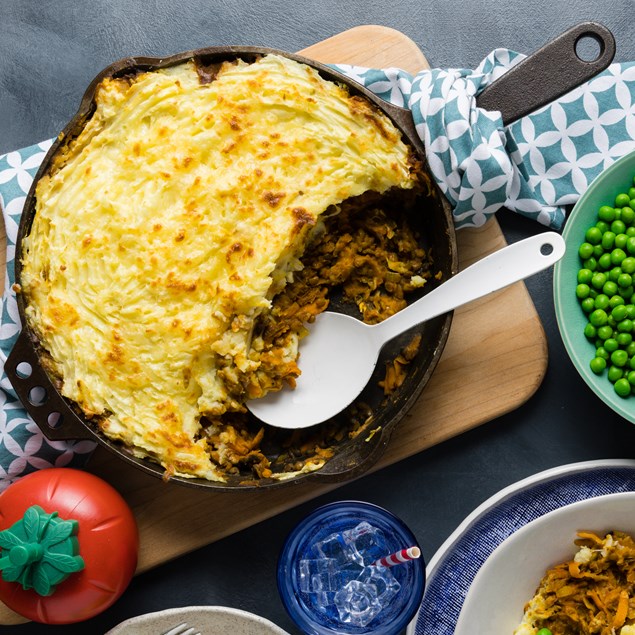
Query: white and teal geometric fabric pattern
536	167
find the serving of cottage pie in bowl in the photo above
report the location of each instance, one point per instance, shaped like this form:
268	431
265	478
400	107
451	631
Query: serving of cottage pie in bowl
184	229
571	570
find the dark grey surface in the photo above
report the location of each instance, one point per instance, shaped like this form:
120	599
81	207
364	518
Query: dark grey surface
49	52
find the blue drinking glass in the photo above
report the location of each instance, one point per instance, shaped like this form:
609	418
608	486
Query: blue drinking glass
300	553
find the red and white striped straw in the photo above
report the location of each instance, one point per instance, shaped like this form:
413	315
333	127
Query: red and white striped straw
399	557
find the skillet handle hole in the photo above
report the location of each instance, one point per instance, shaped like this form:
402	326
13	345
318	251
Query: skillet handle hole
23	370
546	249
38	396
589	47
54	420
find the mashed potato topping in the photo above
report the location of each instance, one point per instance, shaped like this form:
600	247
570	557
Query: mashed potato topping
164	230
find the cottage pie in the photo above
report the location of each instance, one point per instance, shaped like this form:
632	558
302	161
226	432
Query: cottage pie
163	271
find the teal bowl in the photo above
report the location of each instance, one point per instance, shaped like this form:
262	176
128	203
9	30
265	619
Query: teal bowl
571	319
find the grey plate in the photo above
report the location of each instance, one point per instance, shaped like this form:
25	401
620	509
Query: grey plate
209	620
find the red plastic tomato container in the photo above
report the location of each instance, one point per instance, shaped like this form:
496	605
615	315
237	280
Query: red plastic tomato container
68	546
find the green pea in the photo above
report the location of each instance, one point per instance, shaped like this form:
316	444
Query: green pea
544	631
622	387
599	278
603	353
588	305
618	213
625	326
615	373
604	261
619	358
621	200
625	280
586	249
614	274
616	300
608	240
601	301
604	332
618	226
582	291
631	378
623	339
628	264
620	240
606	213
631	193
617	255
609	288
619	312
598	364
584	276
591	331
631	363
630	231
611	345
590	263
625	292
630	244
628	215
593	235
612	322
602	226
630	311
593	293
630	350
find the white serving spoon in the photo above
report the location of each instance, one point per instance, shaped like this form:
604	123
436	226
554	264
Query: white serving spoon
339	354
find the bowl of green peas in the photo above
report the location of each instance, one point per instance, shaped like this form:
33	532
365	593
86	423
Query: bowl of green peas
594	286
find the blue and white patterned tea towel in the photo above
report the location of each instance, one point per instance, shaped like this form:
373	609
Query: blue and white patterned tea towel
536	166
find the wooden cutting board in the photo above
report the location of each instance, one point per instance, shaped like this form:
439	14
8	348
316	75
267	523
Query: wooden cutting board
489	367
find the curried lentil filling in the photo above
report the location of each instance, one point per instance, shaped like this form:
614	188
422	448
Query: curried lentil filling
592	594
371	258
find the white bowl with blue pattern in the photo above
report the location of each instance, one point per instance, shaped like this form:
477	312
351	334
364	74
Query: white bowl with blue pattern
510	576
453	569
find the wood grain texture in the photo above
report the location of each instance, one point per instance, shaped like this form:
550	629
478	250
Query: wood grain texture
476	380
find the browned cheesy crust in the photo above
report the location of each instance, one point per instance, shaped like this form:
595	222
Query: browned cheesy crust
165	229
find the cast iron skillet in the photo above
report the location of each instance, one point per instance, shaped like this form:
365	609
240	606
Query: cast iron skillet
542	77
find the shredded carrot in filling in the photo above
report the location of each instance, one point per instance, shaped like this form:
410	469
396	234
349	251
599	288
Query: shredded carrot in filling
593	594
371	257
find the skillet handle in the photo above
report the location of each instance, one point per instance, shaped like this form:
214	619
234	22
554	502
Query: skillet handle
52	414
547	74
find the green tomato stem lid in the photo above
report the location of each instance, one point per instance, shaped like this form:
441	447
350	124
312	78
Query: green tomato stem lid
39	551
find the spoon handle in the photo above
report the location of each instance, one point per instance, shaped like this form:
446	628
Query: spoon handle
496	271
